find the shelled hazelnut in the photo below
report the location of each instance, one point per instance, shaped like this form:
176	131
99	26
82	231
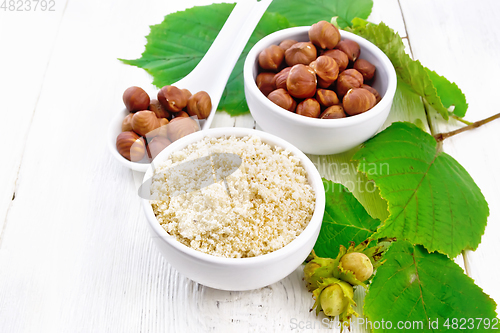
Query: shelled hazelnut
320	78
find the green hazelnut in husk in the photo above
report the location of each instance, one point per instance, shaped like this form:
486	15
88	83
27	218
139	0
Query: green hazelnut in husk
359	264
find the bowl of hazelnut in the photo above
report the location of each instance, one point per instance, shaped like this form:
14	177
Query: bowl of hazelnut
322	89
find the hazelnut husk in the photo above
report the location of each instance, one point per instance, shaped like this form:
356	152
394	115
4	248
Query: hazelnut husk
350	48
271	58
127	123
180	127
159	110
358	100
300	53
340	57
333	112
309	108
366	68
283	99
348	79
135	99
265	82
172	98
156	146
285	45
279	79
326	69
301	81
145	123
326	97
199	105
324	35
131	146
373	91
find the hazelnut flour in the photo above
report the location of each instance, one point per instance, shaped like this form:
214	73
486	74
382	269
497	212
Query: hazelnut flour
267	204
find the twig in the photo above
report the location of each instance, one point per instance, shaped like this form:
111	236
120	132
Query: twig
442	136
461	120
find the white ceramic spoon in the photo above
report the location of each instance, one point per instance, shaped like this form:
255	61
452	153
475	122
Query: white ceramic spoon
211	73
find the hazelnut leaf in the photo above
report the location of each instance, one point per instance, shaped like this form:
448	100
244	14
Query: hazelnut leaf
432	200
415	286
440	93
345	221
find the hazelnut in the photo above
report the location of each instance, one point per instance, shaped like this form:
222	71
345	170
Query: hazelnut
280	78
199	105
131	146
324	34
340	57
127	123
181	114
159	110
348	79
333	112
300	53
285	45
271	58
145	123
187	93
326	98
301	81
350	48
326	69
366	68
358	100
135	99
265	82
282	98
309	108
373	91
180	127
163	129
156	146
172	98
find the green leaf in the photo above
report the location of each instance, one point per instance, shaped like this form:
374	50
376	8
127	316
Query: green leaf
308	12
432	199
414	286
436	90
345	220
175	46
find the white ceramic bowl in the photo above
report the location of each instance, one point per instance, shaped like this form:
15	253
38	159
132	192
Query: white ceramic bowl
320	136
238	273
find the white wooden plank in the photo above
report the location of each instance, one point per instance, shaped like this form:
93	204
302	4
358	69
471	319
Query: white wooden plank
245	120
23	62
438	31
389	12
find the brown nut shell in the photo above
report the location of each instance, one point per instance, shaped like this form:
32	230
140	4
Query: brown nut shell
187	93
324	35
309	108
271	58
300	53
135	99
283	99
358	100
156	146
163	129
340	57
145	123
127	123
285	45
350	48
158	109
180	127
333	112
280	78
373	91
366	68
265	82
172	98
301	81
326	69
326	98
181	114
131	146
199	105
348	79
